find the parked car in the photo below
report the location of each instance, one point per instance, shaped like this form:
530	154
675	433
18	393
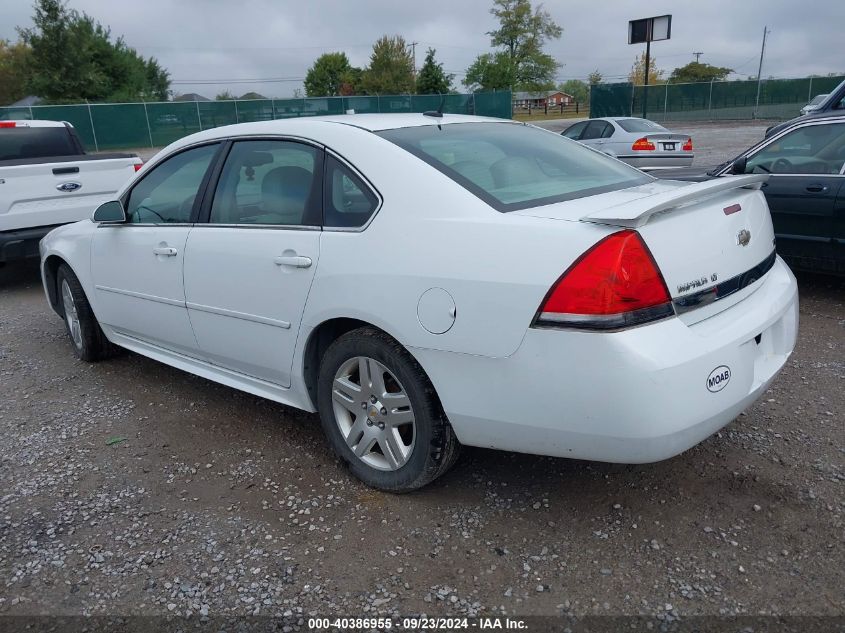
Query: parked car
46	180
813	104
805	189
638	142
425	281
832	105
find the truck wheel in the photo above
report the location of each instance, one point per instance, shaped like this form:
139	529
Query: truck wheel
87	338
381	414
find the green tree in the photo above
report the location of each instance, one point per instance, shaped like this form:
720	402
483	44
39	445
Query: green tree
695	71
577	88
326	76
225	96
13	60
351	82
637	74
74	58
595	77
432	79
490	71
391	69
522	33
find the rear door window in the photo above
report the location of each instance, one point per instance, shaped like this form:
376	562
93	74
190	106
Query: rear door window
272	182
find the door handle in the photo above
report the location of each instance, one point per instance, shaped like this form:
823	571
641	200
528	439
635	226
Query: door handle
166	251
295	261
816	188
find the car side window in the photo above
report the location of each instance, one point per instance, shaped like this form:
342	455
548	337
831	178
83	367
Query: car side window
574	131
348	202
608	131
269	182
811	149
167	193
594	130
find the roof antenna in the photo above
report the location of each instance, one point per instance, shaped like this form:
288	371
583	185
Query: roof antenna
438	113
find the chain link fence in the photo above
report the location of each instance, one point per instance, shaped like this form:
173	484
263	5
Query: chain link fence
710	101
133	125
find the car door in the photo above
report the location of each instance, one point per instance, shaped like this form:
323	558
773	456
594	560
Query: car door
806	167
592	136
137	265
250	263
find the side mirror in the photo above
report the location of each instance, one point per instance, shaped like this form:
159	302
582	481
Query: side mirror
110	213
738	166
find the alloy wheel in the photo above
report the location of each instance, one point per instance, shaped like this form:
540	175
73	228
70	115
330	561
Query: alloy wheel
71	315
374	413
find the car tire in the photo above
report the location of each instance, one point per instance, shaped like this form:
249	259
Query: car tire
403	456
86	337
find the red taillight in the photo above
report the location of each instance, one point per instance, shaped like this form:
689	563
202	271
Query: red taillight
138	166
8	124
615	284
687	147
643	144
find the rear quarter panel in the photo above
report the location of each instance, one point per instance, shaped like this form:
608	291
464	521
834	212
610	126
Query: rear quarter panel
432	233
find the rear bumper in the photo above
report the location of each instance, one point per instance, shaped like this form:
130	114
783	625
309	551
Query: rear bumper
640	395
22	243
651	160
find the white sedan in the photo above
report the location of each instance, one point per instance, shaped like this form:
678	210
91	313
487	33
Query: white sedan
639	142
426	281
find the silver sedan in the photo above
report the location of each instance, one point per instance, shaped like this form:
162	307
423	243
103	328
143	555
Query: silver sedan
639	142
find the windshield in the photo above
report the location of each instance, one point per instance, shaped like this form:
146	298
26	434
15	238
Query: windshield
640	125
513	166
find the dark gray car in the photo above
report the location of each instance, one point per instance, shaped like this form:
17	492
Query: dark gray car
805	192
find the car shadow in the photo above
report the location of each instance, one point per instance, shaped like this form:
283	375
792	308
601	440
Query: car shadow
19	275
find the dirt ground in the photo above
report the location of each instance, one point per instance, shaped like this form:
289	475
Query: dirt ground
128	487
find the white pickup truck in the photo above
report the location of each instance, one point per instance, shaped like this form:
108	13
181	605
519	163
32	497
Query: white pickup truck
47	179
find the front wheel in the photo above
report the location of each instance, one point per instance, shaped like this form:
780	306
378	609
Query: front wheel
89	342
381	414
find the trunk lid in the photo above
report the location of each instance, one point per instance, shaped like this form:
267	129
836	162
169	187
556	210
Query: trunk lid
702	235
666	141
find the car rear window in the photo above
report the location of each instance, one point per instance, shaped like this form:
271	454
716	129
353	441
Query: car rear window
513	166
640	125
35	142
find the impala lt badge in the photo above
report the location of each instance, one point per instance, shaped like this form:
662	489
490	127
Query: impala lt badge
743	237
67	187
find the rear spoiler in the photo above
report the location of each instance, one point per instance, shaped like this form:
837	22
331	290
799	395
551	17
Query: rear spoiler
637	213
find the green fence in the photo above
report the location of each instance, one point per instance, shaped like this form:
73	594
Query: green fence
133	125
779	99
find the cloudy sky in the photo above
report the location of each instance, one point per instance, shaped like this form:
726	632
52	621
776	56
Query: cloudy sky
268	45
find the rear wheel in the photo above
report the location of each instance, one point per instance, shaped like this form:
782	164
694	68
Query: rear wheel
381	414
87	338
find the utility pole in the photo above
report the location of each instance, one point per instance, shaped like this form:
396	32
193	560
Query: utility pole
697	55
766	31
413	46
645	77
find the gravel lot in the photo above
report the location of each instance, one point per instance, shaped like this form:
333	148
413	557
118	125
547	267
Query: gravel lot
128	487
